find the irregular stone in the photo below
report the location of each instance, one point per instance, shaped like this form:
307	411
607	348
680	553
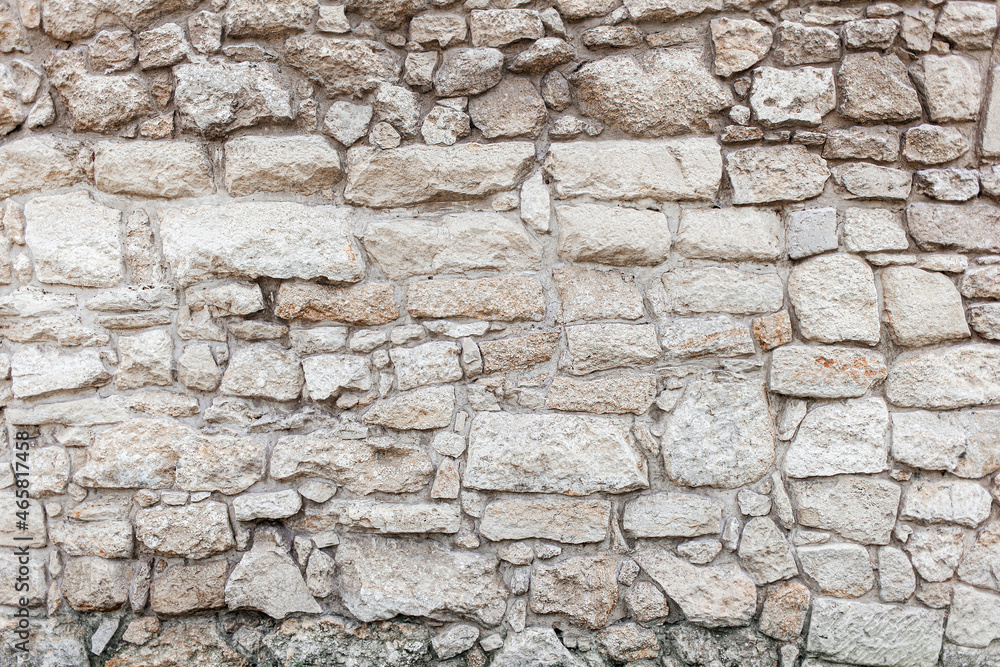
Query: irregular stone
629	641
205	30
947	378
216	98
765	553
595	454
873	230
424	580
976	567
779	173
586	294
935	551
420	409
499	27
612	37
645	602
468	71
967	25
985	320
871	33
364	304
430	363
730	234
597	347
613	394
144	359
512	108
880	144
672	515
674	169
183	589
97	103
869	633
534	645
443	126
37	371
962	443
659	93
162	47
415	174
964	502
363	466
836	439
445	29
811	232
706	444
858	508
543	55
835	299
263	371
584	588
869	181
969	621
277	505
250	18
327	375
968	228
895	575
739	44
785	609
267	580
947	184
713	596
952	86
921	307
691	291
192	531
343	67
107	539
509	354
507	299
277	164
612	235
178	642
561	519
799	44
917	28
798	97
840	570
876	88
828	372
95	584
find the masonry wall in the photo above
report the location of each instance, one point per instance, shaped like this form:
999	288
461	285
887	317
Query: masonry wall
414	332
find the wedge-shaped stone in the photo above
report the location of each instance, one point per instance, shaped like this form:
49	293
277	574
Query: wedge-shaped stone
168	169
74	240
536	453
947	500
587	294
582	587
862	509
825	372
418	173
566	520
382	577
363	466
37	371
260	239
107	539
365	304
509	298
305	165
666	170
420	409
973	227
716	596
716	289
192	531
672	515
946	378
866	633
711	336
965	443
835	299
720	433
730	234
452	244
612	394
839	438
267	579
598	347
765	553
761	175
382	518
342	66
613	235
327	375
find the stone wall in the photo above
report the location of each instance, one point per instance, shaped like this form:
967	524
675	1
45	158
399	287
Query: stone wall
514	332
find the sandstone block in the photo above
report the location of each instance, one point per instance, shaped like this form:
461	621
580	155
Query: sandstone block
560	519
964	443
305	165
836	439
946	378
811	232
835	299
612	394
613	235
771	174
765	553
739	44
468	71
214	99
183	589
95	584
733	234
798	97
509	354
953	87
327	375
153	169
785	609
672	515
430	363
876	88
825	372
192	531
964	502
921	307
840	570
343	67
967	25
364	304
37	371
263	371
420	409
507	299
271	506
969	228
383	518
862	509
107	539
583	588
717	289
880	144
598	347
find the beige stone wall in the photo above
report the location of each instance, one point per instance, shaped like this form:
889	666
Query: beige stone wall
510	332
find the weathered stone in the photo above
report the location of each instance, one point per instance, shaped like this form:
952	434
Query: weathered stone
970	228
739	44
811	232
38	163
253	18
430	363
799	44
327	375
543	55
343	67
277	505
181	641
516	453
876	88
162	47
152	169
183	589
667	170
916	28
880	144
584	588
382	518
443	126
629	641
947	378
962	443
873	230
695	337
192	531
785	609
964	502
12	534
267	580
835	299
415	174
420	409
49	472
499	27
365	304
263	371
985	320
421	579
828	372
560	519
509	354
144	359
613	394
672	515
468	71
976	567
936	551
868	181
713	596
691	291
512	108
858	508
445	29
968	25
277	164
952	86
612	235
780	173
95	584
862	632
836	439
969	621
507	298
534	645
895	575
37	371
107	539
947	184
872	33
597	347
729	234
363	466
96	103
706	444
840	570
765	553
658	93
798	97
921	307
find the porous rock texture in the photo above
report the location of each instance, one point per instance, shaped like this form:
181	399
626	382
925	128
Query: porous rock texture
524	333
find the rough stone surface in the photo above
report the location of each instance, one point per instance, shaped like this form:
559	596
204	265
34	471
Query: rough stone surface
612	235
782	173
948	378
836	439
858	508
583	588
835	300
921	307
875	88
